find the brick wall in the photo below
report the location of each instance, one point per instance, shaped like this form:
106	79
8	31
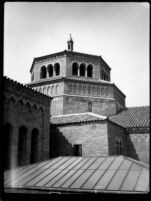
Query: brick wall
57	106
77	104
26	108
138	146
92	136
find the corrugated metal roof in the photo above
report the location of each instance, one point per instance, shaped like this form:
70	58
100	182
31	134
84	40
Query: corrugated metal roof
76	118
112	174
132	117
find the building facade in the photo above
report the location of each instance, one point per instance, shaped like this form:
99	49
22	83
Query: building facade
25	125
77	82
71	108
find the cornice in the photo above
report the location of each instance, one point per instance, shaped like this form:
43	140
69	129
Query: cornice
73	79
68	53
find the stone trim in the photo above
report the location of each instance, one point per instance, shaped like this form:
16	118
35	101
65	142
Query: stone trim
73	78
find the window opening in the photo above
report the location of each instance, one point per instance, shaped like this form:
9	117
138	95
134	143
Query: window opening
77	150
75	69
82	69
43	72
57	68
50	70
89	71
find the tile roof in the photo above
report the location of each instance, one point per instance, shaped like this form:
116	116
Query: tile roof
108	174
76	118
132	117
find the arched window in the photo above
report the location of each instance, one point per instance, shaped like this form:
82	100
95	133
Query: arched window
22	145
43	72
82	69
50	70
7	134
34	146
90	71
75	68
57	68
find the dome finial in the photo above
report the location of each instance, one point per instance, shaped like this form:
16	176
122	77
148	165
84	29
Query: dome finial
70	38
70	43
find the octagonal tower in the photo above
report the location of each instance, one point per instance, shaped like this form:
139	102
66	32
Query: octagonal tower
78	83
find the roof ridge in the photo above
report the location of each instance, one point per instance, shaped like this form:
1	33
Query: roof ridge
82	113
24	85
137	162
138	106
97	115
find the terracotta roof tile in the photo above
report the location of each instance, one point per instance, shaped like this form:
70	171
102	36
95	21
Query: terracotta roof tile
76	118
132	117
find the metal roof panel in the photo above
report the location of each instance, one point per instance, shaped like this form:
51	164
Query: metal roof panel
93	179
105	179
130	180
95	174
143	181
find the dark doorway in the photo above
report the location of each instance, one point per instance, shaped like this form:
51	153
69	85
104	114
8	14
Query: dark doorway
77	150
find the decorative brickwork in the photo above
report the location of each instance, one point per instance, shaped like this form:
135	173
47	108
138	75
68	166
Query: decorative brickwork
24	111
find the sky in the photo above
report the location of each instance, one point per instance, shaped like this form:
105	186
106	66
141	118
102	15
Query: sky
119	32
